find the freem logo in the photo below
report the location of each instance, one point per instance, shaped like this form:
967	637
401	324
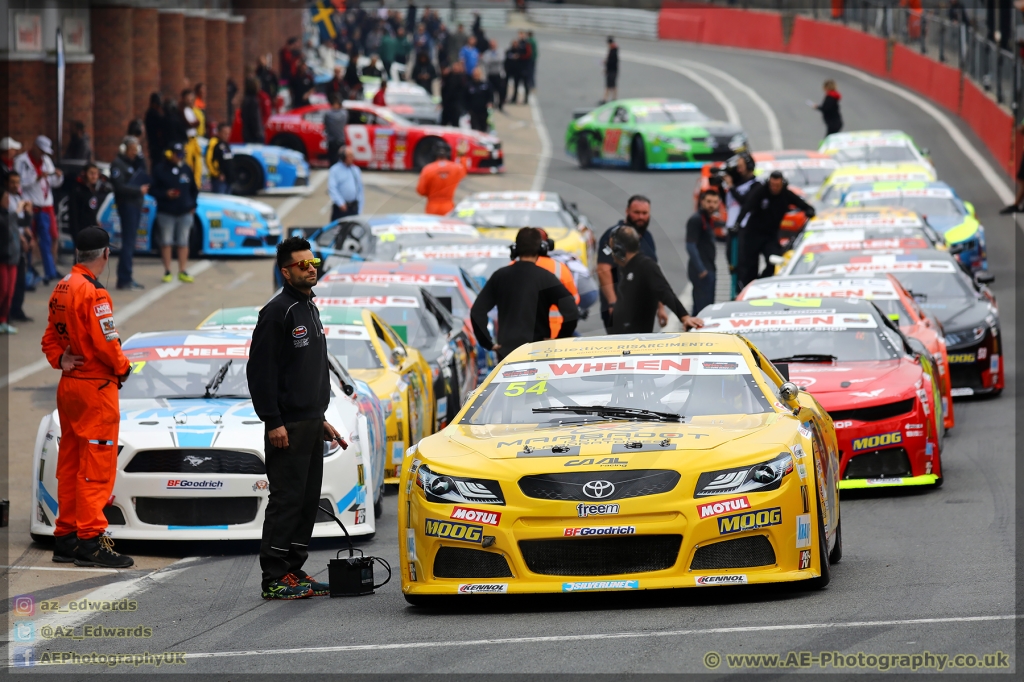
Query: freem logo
879	441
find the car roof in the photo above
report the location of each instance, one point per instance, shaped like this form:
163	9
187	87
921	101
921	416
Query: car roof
651	344
870	286
425	268
513	195
189	337
877	172
900	186
873	216
787	154
794	304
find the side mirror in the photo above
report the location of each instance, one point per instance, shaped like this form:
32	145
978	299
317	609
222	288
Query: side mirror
984	277
789	391
970	208
399	355
895	317
925	152
348	389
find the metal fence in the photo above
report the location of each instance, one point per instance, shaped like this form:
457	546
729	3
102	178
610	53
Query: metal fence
624	22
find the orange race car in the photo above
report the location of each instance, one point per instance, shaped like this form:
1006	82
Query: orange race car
886	292
805	170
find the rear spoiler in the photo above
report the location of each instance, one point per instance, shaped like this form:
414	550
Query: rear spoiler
579	113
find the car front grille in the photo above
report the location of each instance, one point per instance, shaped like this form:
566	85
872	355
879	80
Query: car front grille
462	562
574	486
195	461
888	463
875	412
748	552
967	375
196	511
601	556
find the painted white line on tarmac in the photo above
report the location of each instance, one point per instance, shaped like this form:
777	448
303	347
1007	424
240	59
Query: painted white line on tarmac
123	314
76	569
541	176
593	637
731	114
774	129
316	179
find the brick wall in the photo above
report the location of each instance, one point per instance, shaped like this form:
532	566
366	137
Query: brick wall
114	93
216	71
195	50
172	54
258	33
24	86
145	58
236	58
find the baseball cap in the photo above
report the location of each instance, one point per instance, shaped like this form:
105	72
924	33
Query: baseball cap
43	142
92	238
9	143
178	148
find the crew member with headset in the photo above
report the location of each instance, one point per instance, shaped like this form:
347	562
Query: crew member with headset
739	172
559	270
642	288
638	216
759	220
523	294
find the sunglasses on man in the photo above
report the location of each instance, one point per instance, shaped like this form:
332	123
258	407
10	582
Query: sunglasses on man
305	263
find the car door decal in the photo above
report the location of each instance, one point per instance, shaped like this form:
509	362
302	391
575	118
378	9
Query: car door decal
611	142
358	137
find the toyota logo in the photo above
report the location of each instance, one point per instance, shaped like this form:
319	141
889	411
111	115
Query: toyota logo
598	489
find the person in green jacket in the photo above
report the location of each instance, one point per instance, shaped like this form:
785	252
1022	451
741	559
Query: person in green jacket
387	50
402	46
531	66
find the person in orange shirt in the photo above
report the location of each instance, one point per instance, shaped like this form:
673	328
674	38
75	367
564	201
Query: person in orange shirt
82	341
559	270
438	182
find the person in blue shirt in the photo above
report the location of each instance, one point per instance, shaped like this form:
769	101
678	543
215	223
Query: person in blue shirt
345	187
469	55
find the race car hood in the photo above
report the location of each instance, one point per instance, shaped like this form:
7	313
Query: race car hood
190	423
241	203
957	313
856	384
478	137
511	441
943	223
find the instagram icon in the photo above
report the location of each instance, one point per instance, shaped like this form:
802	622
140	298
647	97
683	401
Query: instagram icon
24	605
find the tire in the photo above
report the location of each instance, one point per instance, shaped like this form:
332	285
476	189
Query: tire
248	176
45	540
836	555
427	150
584	154
826	570
638	154
196	241
290	141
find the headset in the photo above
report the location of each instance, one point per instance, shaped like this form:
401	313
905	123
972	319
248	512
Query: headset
547	245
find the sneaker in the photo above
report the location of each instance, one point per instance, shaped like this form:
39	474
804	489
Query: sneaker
185	277
167	276
1012	208
99	551
131	286
64	547
7	329
305	580
286	587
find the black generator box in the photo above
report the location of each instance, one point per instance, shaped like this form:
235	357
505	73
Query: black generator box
350	577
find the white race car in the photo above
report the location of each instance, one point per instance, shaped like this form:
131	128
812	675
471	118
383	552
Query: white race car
190	450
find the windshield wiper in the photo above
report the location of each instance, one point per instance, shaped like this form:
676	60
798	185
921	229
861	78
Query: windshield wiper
614	412
807	357
217	380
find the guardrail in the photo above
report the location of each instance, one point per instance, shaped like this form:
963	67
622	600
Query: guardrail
628	23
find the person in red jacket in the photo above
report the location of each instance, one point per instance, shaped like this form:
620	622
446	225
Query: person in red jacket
378	98
81	340
438	182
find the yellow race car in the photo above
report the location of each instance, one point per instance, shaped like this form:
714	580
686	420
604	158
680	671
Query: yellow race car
623	463
372	352
831	192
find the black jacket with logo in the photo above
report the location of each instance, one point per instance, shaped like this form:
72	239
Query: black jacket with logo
127	176
762	211
168	175
288	369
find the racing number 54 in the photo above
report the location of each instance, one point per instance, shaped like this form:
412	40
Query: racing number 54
518	388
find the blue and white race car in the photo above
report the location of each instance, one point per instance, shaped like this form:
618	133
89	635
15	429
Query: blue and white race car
262	167
190	460
224	225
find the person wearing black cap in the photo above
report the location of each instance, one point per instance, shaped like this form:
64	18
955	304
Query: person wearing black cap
81	340
758	222
174	187
523	293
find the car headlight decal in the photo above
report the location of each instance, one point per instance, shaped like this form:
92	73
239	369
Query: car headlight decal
757	478
965	336
241	216
442	488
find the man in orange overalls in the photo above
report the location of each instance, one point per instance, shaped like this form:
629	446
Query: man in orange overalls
559	270
438	182
82	341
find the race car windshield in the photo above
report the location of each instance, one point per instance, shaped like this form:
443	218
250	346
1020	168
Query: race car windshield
806	177
353	353
926	206
872	154
668	114
664	387
929	287
517	218
176	377
848	345
398	305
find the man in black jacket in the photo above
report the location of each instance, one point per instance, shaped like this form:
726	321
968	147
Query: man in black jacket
175	191
130	181
640	289
291	390
523	293
759	220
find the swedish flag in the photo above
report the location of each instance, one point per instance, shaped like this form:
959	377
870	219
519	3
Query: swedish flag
322	15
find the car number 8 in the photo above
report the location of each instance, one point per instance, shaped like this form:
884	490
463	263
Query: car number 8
359	142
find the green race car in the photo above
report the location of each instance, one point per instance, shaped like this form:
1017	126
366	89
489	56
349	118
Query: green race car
650	133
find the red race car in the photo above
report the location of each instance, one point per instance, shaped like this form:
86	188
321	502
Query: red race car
381	139
881	392
886	292
805	170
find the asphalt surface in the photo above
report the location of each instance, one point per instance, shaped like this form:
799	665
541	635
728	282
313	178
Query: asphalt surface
922	571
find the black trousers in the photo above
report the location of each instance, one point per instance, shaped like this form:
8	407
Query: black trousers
333	147
752	245
351	208
498	87
295	475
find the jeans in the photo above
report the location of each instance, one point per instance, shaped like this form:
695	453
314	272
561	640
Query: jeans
42	224
703	291
130	215
220	186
